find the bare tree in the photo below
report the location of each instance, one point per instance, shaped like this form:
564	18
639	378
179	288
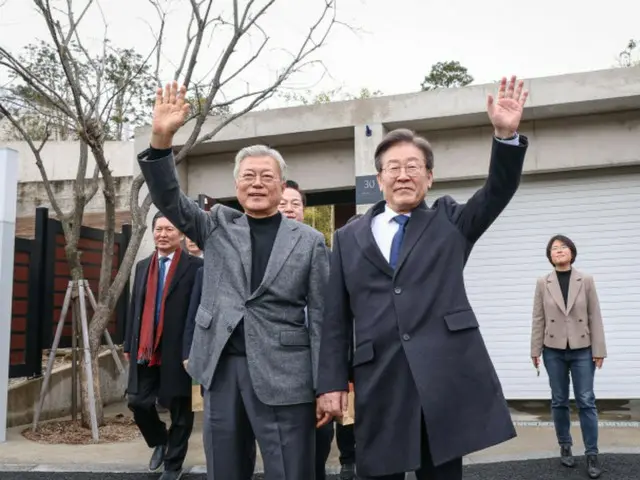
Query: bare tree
92	98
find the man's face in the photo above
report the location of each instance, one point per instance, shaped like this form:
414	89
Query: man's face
166	237
404	179
192	248
291	204
259	186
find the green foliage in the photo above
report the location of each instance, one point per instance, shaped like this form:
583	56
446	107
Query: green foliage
322	219
308	97
118	85
446	75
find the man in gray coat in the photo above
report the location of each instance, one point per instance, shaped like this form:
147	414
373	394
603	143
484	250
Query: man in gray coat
251	350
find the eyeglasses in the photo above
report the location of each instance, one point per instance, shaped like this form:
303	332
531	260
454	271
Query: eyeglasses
561	247
395	170
265	178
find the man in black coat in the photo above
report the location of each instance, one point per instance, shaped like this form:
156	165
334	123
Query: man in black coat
153	344
426	391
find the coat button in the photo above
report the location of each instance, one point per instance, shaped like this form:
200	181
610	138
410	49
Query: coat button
229	329
580	320
406	337
397	290
551	336
582	336
552	320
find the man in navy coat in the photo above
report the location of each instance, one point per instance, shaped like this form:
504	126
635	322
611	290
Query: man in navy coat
426	391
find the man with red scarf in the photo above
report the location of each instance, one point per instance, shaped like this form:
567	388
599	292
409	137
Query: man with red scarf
153	345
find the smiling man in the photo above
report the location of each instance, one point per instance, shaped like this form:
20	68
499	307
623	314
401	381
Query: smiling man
254	349
420	365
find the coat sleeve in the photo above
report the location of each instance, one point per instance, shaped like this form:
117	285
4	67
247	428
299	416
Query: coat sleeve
538	321
596	325
505	168
190	323
164	188
316	305
333	367
128	332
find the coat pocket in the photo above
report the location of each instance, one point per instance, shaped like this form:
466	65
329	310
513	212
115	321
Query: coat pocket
203	317
363	354
295	338
463	320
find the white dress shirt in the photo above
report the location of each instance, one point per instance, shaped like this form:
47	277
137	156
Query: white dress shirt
384	228
167	265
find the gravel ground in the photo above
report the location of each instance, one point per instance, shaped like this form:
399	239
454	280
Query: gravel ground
616	467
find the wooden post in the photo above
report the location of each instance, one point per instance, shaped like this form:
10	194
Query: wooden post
87	362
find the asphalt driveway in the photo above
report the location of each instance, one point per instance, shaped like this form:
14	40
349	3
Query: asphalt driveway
616	467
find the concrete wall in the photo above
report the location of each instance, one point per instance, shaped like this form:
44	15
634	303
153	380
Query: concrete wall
60	160
33	194
317	166
23	397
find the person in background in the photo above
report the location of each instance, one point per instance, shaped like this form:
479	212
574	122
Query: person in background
292	206
153	346
193	248
567	331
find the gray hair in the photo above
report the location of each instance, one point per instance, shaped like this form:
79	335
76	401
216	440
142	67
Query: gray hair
260	151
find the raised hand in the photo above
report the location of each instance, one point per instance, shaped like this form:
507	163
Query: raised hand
505	112
169	114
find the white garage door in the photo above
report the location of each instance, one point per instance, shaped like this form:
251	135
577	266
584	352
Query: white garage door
601	213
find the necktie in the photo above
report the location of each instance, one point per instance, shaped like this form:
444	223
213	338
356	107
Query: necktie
161	272
396	244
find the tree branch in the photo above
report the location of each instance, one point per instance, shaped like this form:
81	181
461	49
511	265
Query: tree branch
37	154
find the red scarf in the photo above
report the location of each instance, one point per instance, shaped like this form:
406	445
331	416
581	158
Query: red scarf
149	336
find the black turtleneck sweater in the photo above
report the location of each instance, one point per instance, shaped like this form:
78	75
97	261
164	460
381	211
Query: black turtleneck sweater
563	280
263	235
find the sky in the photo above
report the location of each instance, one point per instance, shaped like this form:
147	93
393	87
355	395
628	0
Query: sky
391	45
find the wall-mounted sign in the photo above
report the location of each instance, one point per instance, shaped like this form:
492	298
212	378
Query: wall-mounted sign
367	190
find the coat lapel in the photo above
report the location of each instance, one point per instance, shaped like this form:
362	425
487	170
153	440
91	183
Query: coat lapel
286	239
239	228
421	217
575	284
368	245
554	289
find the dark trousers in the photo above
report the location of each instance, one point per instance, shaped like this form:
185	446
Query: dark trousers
449	471
234	418
346	441
324	438
579	364
154	430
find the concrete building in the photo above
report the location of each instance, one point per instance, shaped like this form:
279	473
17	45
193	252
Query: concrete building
582	178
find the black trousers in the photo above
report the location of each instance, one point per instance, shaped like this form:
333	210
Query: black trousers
346	441
324	438
154	430
449	471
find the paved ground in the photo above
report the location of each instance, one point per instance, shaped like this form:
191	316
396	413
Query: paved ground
617	467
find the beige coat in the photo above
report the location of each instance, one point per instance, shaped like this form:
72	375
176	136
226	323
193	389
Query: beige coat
579	325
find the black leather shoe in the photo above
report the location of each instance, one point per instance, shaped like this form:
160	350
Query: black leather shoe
593	466
348	472
171	475
566	457
157	458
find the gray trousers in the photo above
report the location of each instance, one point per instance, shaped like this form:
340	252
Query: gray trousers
234	418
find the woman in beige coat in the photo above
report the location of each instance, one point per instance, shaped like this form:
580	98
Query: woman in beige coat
567	332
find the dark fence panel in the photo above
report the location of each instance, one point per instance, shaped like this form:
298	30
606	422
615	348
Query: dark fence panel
41	276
